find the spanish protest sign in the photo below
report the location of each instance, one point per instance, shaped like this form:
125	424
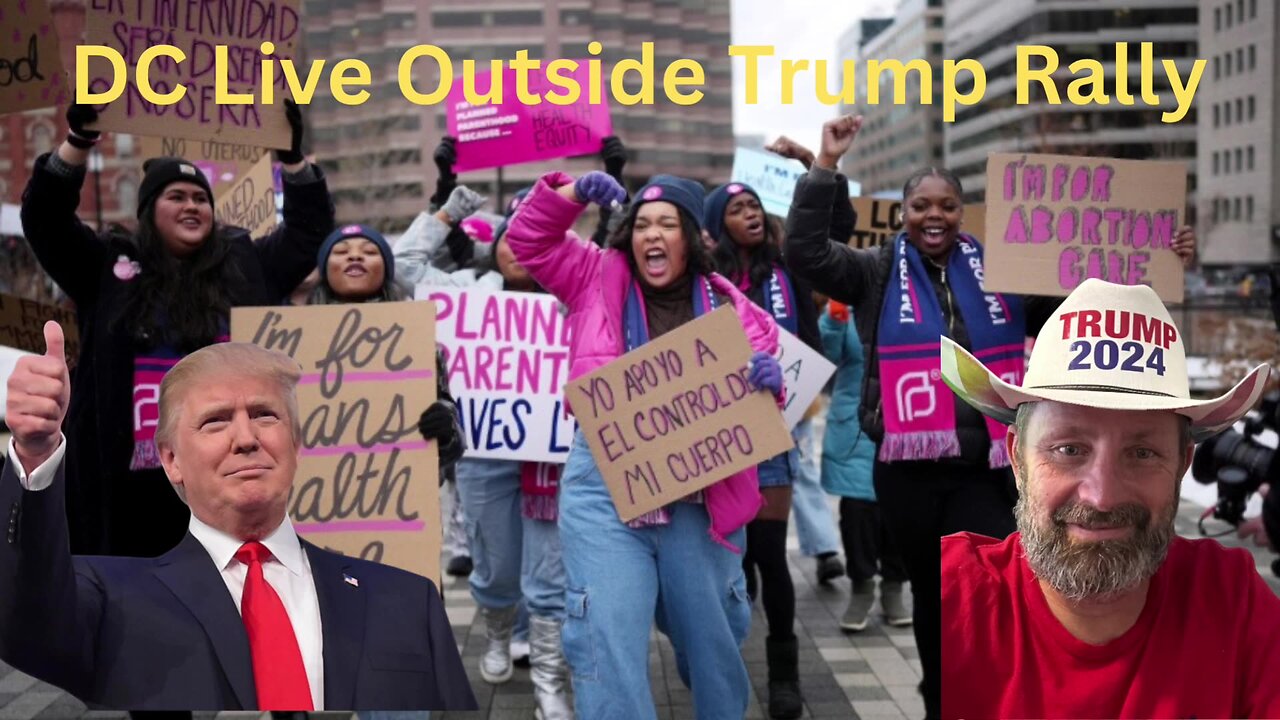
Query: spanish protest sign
510	132
223	163
508	360
804	372
31	74
1056	220
222	46
677	414
250	202
22	325
367	483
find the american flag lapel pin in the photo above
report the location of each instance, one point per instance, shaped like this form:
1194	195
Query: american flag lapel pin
350	580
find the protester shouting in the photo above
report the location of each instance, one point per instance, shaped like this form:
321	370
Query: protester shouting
509	507
144	300
674	563
748	253
355	265
942	470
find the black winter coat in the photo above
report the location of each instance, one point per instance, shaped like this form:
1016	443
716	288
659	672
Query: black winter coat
112	510
857	278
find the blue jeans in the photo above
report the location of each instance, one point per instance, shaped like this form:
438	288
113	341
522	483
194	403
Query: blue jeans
815	524
513	557
618	579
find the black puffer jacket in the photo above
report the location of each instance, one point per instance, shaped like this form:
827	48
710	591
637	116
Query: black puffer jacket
111	509
857	278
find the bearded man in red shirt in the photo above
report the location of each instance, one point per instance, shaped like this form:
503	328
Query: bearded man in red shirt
1095	607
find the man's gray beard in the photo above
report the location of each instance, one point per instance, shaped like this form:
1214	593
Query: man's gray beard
1099	570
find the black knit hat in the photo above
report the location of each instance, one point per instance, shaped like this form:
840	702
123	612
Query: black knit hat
161	172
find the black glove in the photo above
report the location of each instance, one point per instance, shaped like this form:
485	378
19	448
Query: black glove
614	154
445	155
78	116
293	155
439	422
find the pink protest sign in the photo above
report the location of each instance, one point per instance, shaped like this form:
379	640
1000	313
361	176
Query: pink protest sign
511	132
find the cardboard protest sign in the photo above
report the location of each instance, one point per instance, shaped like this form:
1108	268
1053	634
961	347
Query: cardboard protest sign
31	74
223	163
22	326
677	414
1055	220
772	177
507	355
804	372
250	203
367	483
199	29
878	221
511	132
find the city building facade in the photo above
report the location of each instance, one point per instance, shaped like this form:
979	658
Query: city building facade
990	32
895	140
1239	198
378	155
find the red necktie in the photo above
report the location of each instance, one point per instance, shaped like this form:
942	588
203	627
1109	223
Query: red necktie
278	671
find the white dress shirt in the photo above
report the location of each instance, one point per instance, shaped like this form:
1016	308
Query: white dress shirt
288	571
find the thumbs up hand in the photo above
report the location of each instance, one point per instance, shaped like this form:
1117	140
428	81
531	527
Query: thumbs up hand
39	393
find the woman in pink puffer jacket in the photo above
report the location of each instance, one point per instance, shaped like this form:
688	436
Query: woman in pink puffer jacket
676	564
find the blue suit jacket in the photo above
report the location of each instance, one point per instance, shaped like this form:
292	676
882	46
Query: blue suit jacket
164	633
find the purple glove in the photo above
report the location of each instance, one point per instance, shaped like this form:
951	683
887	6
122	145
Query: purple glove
597	187
764	372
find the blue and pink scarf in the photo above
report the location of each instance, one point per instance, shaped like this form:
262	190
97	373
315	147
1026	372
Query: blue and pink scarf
919	409
779	299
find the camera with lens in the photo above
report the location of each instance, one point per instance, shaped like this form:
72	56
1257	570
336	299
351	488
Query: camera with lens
1237	462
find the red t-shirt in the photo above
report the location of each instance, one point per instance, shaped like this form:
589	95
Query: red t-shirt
1207	644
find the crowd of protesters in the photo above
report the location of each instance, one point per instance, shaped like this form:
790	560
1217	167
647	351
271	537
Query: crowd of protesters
548	560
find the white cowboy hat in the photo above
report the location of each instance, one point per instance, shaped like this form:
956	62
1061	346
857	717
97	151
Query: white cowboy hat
1107	346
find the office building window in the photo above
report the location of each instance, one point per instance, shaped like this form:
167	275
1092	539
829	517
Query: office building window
1235	208
1217	19
1228	16
1239	159
1253	9
1215	162
1253	107
1226	113
1240	10
1217	68
1249	158
1248	208
1239	109
1217	114
1240	59
1253	57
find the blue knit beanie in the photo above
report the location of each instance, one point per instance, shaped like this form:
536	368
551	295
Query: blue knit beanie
684	193
353	231
718	200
